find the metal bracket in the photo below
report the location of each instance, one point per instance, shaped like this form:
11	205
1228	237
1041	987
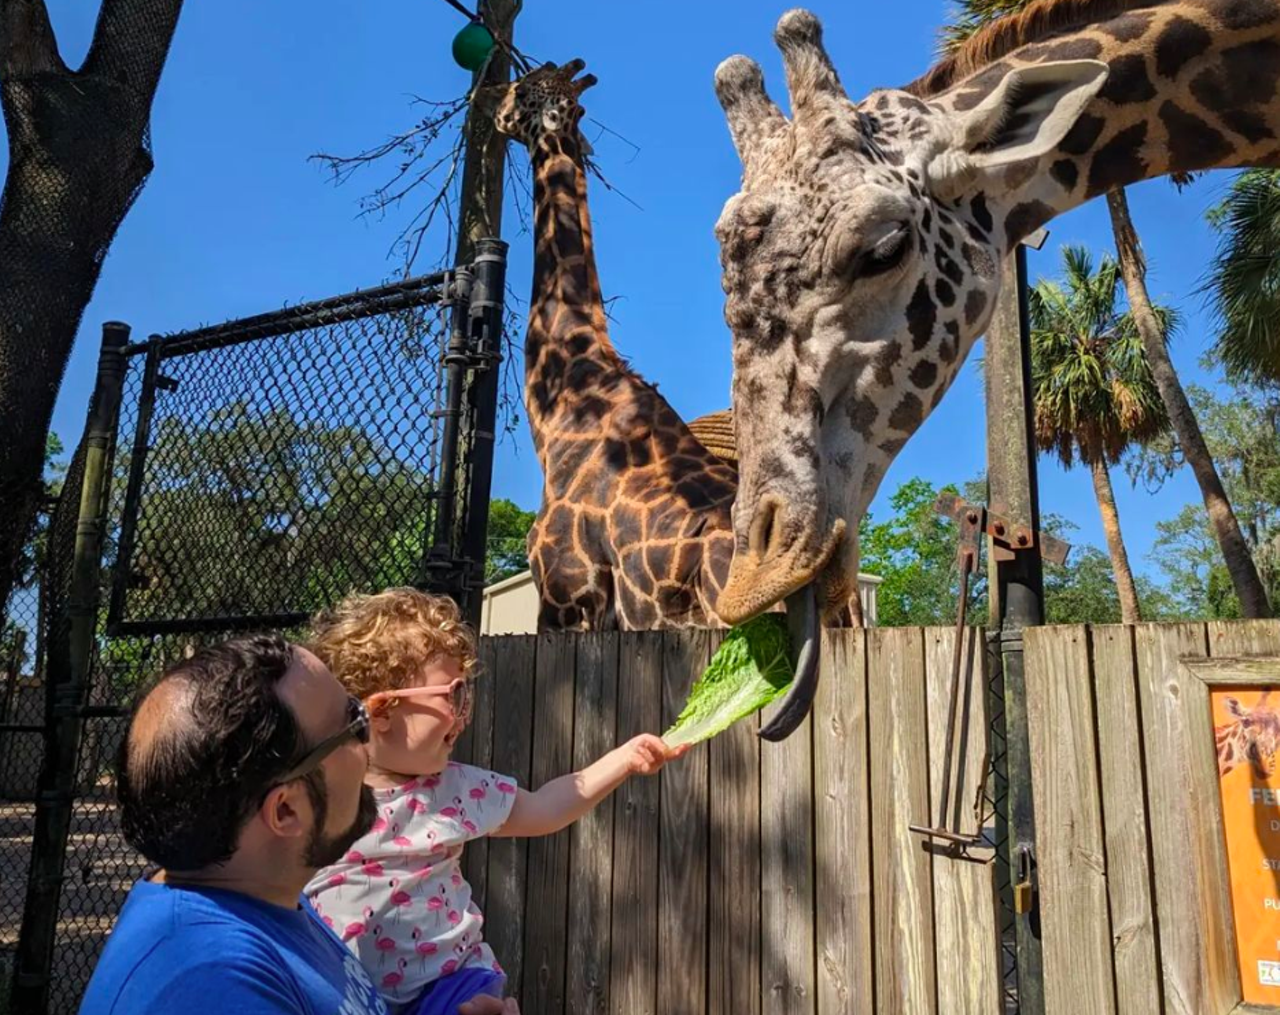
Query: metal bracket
1008	537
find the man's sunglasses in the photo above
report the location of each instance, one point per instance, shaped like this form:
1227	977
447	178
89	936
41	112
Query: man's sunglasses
459	692
356	728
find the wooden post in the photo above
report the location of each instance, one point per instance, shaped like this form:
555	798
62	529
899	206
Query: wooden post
1017	599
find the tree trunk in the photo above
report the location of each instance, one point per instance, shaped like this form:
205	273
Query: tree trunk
79	154
1235	550
1130	612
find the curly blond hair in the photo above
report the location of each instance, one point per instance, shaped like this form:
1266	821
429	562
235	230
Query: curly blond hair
382	642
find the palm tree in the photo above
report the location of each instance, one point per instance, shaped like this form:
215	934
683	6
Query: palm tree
1092	387
972	15
1244	277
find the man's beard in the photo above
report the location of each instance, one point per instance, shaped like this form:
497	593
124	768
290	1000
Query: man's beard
322	850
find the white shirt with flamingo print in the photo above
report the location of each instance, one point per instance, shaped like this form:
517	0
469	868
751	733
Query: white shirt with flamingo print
398	899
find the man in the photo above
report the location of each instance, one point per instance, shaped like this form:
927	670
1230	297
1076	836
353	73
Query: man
241	775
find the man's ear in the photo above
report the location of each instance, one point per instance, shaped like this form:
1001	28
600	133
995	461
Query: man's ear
280	811
1026	116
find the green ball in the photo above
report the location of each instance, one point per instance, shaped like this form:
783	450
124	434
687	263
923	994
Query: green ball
472	45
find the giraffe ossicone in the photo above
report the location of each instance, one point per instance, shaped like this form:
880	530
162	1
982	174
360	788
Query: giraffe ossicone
861	257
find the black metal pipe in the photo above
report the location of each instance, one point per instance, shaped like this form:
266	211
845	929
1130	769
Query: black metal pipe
482	409
70	689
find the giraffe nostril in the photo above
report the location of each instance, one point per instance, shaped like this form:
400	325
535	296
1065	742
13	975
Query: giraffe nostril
766	528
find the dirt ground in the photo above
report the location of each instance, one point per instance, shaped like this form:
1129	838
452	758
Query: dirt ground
100	870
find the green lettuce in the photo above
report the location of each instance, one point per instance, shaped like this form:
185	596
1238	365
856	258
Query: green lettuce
751	667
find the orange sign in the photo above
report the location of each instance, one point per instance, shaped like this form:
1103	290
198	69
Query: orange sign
1246	730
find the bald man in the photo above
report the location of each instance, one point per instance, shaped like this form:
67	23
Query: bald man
242	774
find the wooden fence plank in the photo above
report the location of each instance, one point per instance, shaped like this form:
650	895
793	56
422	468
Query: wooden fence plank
965	925
1124	811
591	838
1244	638
786	871
902	890
1198	964
548	891
682	849
1075	923
842	822
475	747
734	931
513	675
633	970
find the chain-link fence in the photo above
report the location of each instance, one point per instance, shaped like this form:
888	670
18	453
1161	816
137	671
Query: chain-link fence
254	472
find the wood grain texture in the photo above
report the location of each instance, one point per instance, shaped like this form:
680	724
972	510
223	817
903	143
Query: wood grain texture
1198	966
1076	926
842	828
475	747
545	941
733	978
786	871
1124	809
683	845
591	837
513	677
903	887
634	959
964	913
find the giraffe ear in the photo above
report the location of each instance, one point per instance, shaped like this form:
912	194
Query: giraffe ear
1026	116
1233	707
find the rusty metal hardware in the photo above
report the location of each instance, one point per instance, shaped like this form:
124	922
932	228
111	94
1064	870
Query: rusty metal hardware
1023	890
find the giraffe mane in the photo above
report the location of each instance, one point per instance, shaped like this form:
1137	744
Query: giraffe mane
1039	20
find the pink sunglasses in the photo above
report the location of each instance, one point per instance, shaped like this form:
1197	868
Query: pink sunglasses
459	693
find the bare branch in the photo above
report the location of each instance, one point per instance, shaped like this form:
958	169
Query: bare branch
27	43
131	42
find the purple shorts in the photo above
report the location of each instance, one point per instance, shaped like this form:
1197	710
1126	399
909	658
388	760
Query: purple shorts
445	995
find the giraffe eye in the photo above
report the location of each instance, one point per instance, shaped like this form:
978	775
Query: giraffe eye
887	253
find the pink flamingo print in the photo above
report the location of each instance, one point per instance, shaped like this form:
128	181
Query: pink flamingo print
423	872
399	840
450	966
454	811
416	806
399	898
456	879
353	856
431	782
396	977
384	945
437	903
336	881
424	949
455	917
509	788
478	793
373	869
411	784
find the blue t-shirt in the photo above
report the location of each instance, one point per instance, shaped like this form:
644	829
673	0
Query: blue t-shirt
194	951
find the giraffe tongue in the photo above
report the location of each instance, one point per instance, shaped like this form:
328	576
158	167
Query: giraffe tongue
803	623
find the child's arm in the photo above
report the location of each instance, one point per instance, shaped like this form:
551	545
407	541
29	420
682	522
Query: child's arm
563	801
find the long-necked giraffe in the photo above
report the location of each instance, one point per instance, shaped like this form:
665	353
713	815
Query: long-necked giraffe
1252	737
634	528
861	257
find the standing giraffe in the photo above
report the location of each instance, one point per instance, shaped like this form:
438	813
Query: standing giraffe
1253	737
861	257
634	528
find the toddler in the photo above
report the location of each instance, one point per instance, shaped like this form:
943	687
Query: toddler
398	898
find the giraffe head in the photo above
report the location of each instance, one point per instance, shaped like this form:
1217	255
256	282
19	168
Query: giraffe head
541	105
860	262
1253	737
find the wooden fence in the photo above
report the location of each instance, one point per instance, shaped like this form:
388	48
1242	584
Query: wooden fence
749	877
754	878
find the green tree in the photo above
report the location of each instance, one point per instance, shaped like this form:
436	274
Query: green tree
507	540
1244	277
1186	554
1092	387
969	17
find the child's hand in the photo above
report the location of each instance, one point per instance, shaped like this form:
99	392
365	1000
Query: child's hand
486	1005
646	754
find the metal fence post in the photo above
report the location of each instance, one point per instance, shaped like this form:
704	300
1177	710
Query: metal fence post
482	398
63	724
1017	602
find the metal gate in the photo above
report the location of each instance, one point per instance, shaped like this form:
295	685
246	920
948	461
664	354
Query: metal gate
231	478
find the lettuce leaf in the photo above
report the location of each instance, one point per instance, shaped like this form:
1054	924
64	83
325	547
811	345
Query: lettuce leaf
751	667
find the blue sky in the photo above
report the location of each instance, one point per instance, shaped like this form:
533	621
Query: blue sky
236	220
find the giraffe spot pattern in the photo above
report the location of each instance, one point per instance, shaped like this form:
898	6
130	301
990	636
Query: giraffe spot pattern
922	314
1026	218
908	414
1128	80
1241	15
1081	138
1193	144
974	304
1128	27
1119	161
924	373
1066	172
1181	42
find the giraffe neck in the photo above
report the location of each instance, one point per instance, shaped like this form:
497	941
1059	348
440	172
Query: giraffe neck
1191	87
568	356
